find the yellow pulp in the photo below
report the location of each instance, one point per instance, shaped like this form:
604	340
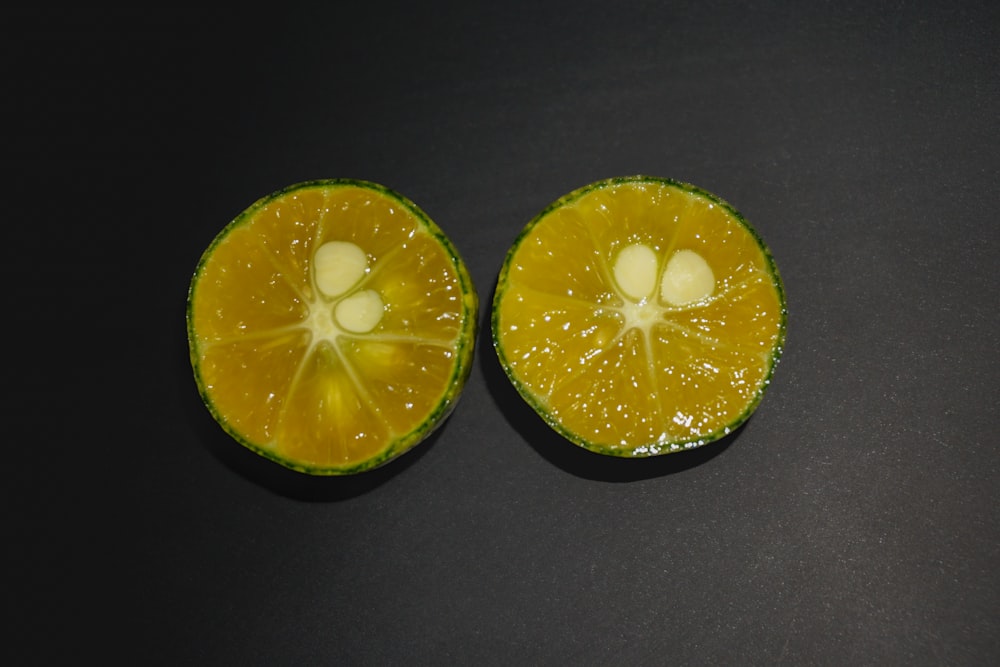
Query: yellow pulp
281	374
637	375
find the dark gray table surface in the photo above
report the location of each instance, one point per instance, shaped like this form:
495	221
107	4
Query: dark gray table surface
853	521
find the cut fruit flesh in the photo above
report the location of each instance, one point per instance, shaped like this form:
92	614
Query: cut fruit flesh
331	326
639	316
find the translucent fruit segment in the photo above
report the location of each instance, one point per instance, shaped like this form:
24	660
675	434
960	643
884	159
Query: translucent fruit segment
404	380
703	386
287	228
251	291
327	420
616	401
581	274
422	292
373	222
636	213
549	339
726	244
747	315
252	401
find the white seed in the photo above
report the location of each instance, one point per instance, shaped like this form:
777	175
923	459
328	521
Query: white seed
360	312
338	266
687	278
635	271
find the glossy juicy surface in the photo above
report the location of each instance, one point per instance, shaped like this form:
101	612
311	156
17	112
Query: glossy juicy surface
315	379
588	325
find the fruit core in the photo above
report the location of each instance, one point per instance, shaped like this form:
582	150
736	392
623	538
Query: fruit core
338	266
686	279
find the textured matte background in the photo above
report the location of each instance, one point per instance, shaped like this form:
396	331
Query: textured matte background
852	521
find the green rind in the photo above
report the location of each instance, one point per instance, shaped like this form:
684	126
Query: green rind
464	353
677	446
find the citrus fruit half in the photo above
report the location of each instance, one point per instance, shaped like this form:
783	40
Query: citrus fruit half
639	316
331	326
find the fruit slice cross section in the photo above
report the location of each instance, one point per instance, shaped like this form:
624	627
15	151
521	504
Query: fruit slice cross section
331	326
639	316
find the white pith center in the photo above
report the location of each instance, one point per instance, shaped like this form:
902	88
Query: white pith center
687	278
338	267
